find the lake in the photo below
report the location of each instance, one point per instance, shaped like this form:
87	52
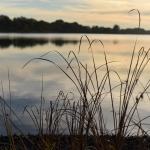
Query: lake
26	83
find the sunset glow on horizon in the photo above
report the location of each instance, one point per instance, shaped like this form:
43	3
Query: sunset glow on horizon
95	12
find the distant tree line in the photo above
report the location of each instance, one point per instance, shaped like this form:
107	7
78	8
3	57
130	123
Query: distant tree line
26	25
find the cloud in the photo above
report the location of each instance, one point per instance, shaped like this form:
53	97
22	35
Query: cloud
98	12
47	4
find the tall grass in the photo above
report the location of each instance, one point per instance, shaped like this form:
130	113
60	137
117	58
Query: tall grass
84	117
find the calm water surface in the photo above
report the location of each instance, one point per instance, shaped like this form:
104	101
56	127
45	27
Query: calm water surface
26	83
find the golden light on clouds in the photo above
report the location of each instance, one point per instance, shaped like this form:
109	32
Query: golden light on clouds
95	12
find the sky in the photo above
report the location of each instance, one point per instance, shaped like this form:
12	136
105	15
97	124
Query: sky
86	12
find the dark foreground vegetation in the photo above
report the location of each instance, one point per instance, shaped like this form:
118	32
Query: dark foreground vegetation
65	142
26	25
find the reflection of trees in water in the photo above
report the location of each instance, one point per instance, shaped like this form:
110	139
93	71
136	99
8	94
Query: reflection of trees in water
30	42
21	42
115	42
61	42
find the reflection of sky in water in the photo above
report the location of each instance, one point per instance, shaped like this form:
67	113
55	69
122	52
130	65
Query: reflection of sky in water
26	83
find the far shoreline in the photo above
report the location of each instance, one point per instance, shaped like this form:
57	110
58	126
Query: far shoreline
37	33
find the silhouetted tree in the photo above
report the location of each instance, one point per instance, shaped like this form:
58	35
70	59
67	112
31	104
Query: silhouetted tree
116	29
29	25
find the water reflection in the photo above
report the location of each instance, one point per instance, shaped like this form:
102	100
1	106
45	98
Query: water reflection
26	83
60	42
22	42
31	42
115	42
